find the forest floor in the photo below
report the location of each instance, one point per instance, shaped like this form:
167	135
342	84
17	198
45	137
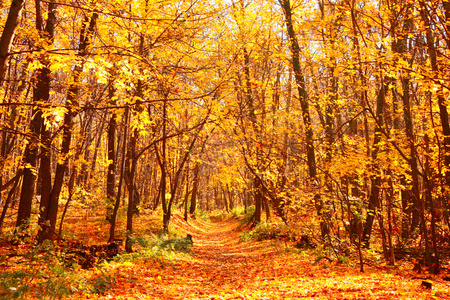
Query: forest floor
219	265
223	267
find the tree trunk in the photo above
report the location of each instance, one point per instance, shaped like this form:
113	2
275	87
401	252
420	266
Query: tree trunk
72	103
411	198
374	201
41	94
112	229
443	113
186	195
434	267
8	201
130	170
9	30
176	180
163	165
301	86
29	172
111	176
194	191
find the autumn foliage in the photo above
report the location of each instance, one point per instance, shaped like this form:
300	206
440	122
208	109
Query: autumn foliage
322	124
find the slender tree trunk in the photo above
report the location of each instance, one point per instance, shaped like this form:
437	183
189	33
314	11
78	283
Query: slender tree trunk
69	199
163	165
301	86
374	201
442	102
390	202
434	267
193	205
130	171
110	177
176	180
257	131
8	201
112	229
411	198
186	195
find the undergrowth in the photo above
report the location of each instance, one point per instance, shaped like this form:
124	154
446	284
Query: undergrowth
269	231
295	242
202	215
42	272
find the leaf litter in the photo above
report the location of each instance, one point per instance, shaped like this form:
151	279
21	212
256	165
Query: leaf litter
224	267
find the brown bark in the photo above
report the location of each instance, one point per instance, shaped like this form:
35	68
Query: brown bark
9	200
9	30
110	177
163	165
193	204
301	87
112	229
72	104
257	192
41	94
186	195
130	170
374	201
434	267
29	172
400	47
443	113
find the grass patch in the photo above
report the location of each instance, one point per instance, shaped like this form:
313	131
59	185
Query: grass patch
269	231
202	215
40	274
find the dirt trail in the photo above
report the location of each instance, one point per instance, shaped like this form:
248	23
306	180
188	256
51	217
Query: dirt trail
225	268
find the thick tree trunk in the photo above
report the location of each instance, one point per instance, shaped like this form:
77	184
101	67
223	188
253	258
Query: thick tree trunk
41	94
72	103
9	30
30	162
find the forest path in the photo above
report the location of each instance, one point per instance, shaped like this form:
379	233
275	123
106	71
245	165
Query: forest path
223	267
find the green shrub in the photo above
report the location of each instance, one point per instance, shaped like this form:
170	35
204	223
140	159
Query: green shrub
249	215
13	285
269	231
44	274
238	211
202	215
54	283
102	283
